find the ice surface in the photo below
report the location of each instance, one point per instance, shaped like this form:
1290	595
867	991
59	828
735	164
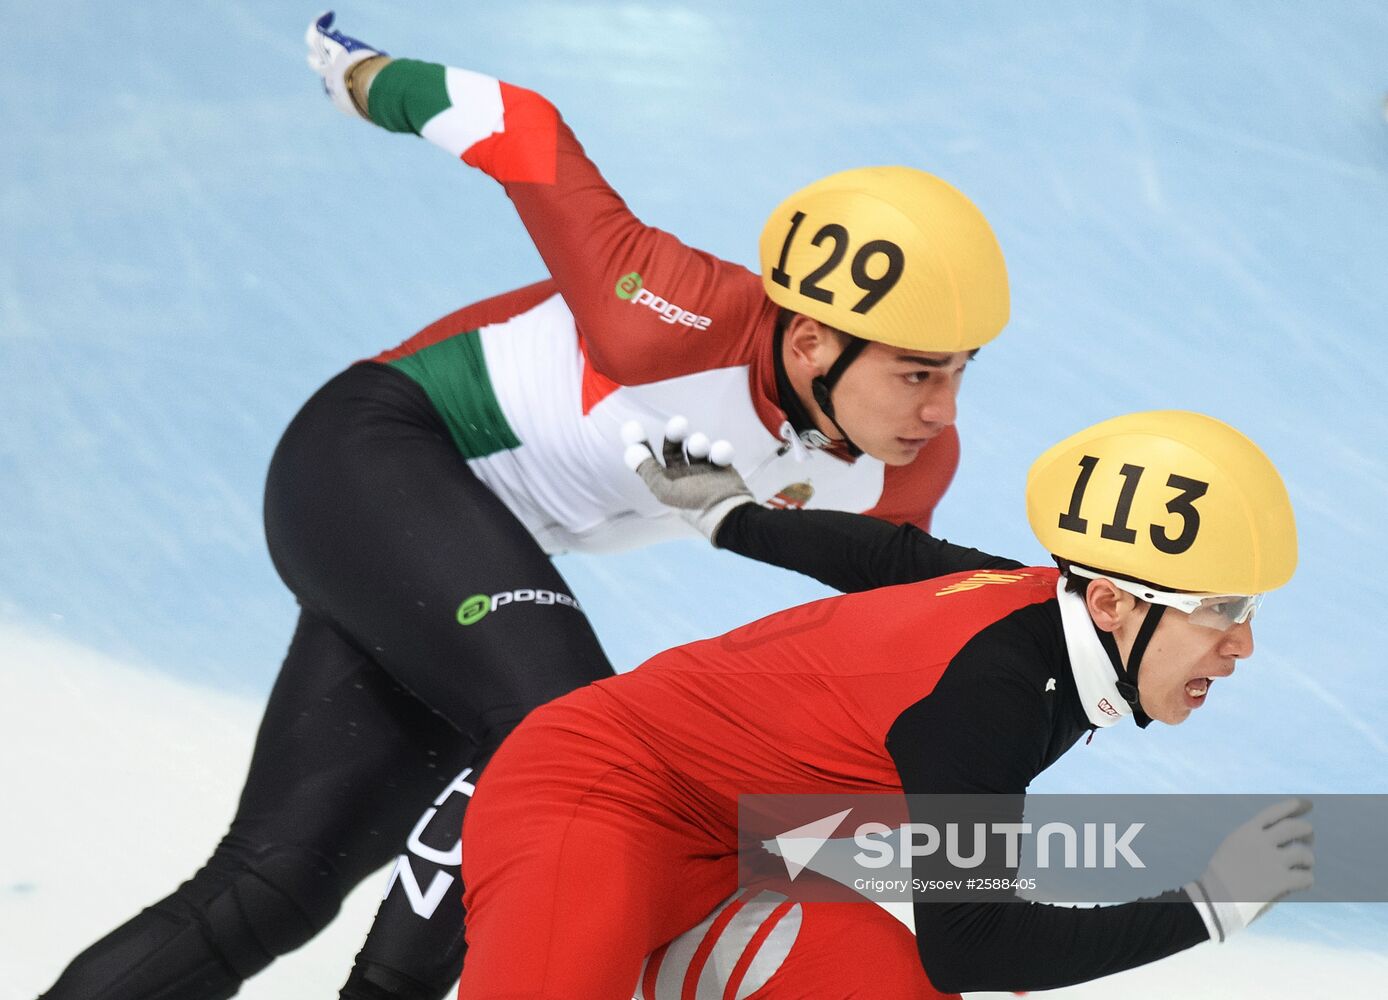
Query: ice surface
1192	199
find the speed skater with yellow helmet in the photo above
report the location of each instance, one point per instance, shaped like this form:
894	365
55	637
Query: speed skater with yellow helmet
1175	509
947	672
415	501
892	256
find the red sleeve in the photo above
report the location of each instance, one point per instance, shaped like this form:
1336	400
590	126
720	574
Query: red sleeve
647	306
910	492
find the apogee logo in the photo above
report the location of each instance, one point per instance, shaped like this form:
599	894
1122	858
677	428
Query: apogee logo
632	288
478	606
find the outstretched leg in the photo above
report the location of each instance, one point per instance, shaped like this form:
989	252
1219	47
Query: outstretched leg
432	624
341	760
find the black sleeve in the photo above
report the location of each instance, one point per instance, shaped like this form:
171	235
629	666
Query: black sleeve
849	552
985	731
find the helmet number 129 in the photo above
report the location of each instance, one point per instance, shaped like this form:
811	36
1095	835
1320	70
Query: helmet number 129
875	287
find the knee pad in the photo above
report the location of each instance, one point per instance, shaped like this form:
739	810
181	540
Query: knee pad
260	904
227	922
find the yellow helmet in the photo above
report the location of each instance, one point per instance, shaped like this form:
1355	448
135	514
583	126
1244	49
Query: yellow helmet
890	254
1171	498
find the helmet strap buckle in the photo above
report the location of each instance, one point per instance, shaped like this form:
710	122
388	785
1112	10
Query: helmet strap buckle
1127	673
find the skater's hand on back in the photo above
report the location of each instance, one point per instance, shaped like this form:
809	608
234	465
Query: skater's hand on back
697	477
335	57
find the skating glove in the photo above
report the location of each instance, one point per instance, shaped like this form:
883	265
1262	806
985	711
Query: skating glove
697	478
333	56
1259	863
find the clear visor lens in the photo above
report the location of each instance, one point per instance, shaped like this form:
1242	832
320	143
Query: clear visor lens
1225	611
1218	611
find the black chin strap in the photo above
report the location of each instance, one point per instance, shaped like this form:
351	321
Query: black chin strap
1127	675
823	386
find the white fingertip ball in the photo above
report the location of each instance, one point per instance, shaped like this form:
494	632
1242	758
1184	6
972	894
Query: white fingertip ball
721	453
633	432
698	445
677	429
635	455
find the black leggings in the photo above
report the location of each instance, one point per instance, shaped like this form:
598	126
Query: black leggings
431	623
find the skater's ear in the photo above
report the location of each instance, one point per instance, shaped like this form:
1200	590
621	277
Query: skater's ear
809	344
1109	607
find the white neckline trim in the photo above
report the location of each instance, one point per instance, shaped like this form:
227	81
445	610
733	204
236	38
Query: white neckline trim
802	442
1094	677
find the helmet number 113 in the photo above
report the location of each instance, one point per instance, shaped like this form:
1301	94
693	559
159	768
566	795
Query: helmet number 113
1117	530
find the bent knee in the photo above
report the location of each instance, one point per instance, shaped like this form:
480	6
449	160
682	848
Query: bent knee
254	906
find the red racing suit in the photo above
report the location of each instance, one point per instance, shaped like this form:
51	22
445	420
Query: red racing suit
608	821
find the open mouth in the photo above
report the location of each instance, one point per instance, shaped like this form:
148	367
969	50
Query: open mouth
1197	689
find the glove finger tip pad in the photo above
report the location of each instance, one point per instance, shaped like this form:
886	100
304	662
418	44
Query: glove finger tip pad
698	445
676	429
633	433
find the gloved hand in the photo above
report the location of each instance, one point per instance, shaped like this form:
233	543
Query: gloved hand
697	479
332	55
1259	863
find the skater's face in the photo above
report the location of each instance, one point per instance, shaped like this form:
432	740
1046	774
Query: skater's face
1182	661
891	402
